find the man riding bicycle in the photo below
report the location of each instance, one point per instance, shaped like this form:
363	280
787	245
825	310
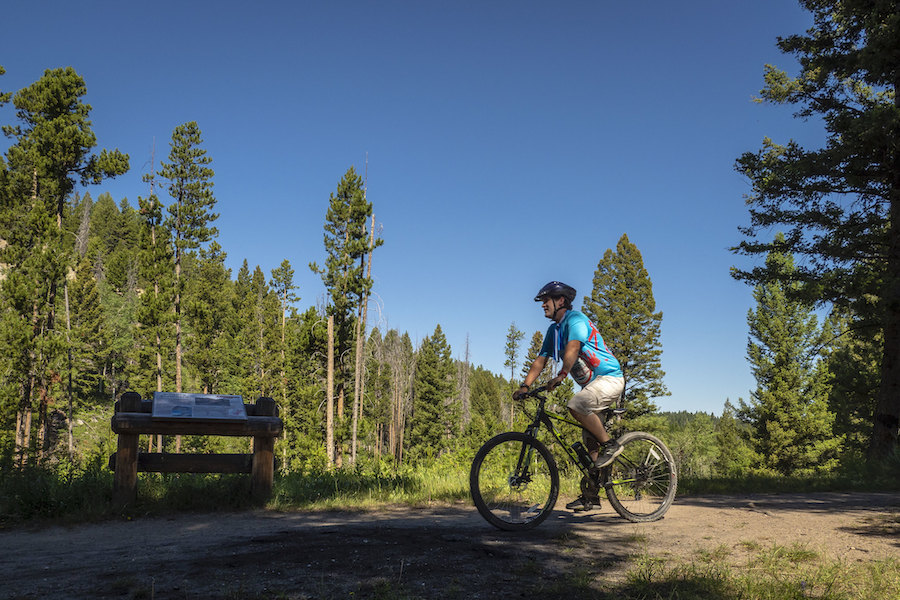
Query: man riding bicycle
575	340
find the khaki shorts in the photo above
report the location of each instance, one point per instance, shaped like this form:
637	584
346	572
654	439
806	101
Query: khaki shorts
598	395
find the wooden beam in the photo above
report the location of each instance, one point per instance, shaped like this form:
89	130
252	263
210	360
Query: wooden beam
153	462
138	423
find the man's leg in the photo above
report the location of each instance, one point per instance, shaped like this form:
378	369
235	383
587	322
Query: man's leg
593	424
584	405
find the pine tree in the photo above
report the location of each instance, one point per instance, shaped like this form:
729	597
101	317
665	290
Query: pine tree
208	310
154	308
792	427
259	336
433	417
378	393
513	341
50	156
303	442
87	338
621	304
854	348
114	249
839	204
85	357
735	455
190	215
488	394
282	284
347	243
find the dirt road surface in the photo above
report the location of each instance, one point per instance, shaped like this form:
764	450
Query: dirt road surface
434	552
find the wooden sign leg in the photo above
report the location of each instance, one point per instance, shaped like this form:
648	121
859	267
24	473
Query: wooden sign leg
262	472
125	479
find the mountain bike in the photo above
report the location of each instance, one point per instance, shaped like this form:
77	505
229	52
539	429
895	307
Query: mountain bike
514	478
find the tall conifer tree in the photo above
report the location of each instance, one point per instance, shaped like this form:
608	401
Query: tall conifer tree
347	243
155	306
792	427
621	304
282	284
208	295
514	337
50	156
839	204
854	348
190	215
433	418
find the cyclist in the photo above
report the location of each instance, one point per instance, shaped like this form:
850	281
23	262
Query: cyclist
575	340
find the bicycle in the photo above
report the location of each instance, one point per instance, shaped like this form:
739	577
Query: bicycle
514	479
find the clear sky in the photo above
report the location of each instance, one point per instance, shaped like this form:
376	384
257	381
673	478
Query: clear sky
509	143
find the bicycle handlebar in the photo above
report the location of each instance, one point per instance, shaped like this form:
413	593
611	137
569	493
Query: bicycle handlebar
534	393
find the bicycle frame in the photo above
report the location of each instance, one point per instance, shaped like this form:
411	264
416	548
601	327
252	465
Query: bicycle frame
546	418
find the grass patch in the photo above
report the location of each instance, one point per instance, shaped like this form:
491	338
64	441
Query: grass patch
854	476
652	580
775	573
717	554
66	493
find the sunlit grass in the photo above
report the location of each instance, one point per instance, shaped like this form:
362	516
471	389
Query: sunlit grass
773	573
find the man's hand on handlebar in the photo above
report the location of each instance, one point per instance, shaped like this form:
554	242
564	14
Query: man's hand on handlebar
526	392
551	385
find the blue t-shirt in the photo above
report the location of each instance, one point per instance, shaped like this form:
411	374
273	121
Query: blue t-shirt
594	360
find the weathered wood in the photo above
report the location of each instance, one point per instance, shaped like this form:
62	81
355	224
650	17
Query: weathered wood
137	423
262	472
265	407
125	478
155	462
133	417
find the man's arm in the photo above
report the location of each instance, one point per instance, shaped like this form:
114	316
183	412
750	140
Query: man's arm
570	355
533	373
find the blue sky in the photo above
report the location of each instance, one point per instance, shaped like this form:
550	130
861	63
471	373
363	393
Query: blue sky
508	144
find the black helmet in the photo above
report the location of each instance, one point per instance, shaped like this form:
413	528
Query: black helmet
555	289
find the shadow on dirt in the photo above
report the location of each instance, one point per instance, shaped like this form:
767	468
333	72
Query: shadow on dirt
818	502
391	553
458	558
883	526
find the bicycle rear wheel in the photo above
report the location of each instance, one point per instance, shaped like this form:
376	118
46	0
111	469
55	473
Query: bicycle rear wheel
641	482
514	481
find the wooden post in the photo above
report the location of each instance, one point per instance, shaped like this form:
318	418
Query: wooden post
262	472
125	479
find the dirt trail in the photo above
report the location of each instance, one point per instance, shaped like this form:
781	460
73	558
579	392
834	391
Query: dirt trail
447	552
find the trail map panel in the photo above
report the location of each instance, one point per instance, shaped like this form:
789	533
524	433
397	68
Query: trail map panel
218	407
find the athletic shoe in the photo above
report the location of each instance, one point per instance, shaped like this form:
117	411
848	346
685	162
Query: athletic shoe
611	450
582	503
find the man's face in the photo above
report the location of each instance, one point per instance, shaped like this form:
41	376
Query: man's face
551	305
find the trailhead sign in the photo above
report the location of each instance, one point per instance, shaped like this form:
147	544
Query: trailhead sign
222	407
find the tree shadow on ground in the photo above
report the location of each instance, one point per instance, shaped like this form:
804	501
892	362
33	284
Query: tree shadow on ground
813	502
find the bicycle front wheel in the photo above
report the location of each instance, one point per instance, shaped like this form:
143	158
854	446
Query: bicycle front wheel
641	482
514	481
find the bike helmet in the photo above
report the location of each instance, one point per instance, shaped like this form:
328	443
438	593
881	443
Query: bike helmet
555	289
